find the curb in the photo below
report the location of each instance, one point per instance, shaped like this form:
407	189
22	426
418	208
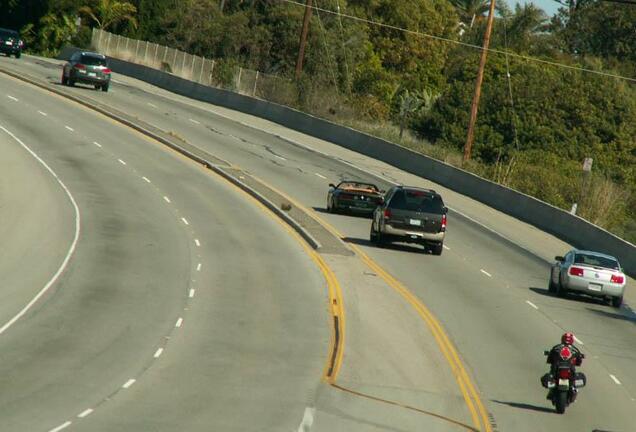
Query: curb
207	164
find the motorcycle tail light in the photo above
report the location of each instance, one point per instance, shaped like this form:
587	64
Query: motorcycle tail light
564	373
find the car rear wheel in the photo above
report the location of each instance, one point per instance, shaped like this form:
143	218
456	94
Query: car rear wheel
105	87
64	79
18	55
552	286
560	291
437	248
617	301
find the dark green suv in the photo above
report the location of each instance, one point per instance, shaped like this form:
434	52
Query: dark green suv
87	68
10	42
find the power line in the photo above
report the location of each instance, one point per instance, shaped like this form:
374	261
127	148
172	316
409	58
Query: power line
477	47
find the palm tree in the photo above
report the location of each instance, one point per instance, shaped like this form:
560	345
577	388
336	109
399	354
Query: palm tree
55	32
471	10
527	22
107	13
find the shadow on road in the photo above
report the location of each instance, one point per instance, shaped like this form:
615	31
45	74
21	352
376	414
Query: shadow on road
618	316
390	246
526	406
350	214
570	296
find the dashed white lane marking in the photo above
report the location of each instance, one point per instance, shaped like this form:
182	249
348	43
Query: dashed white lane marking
15	99
97	144
129	383
578	341
308	420
60	427
321	176
158	352
71	250
280	157
199	267
121	162
191	292
194	121
197	242
85	413
69	128
185	221
532	304
485	272
445	247
179	322
615	379
42	113
152	105
166	199
146	179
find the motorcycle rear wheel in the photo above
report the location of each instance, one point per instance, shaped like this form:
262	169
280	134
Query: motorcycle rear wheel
561	401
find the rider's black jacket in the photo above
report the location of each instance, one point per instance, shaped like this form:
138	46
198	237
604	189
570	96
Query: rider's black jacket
554	357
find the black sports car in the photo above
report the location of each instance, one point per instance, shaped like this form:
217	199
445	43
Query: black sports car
10	43
353	196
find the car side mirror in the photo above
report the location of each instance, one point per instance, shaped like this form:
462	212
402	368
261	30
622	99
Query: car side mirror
445	209
331	185
559	258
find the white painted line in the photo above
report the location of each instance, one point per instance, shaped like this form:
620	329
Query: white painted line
615	379
197	242
129	383
191	292
71	250
445	247
85	413
280	157
194	121
60	427
199	267
308	420
12	98
166	199
321	176
578	341
158	352
146	180
42	113
121	162
97	144
179	322
70	128
485	272
532	304
152	105
185	221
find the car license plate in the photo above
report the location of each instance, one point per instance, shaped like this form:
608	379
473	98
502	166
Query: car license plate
92	74
415	222
595	287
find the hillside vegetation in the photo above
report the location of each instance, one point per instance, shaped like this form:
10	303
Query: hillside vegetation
556	90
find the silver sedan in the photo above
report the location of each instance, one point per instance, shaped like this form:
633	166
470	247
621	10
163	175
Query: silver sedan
590	273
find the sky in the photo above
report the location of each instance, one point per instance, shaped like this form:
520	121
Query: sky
549	6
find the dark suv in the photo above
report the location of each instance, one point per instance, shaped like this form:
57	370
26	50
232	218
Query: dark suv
10	43
411	215
87	68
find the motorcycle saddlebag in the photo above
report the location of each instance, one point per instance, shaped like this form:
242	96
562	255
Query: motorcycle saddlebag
547	381
580	379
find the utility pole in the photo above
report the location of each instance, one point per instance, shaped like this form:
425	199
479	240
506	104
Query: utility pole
303	39
480	77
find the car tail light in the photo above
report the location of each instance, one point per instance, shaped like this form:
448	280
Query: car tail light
106	71
619	279
564	373
80	66
443	222
576	271
387	214
21	44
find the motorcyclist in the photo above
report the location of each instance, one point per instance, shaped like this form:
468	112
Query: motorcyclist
565	351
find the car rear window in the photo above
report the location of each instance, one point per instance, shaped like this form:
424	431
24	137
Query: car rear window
93	61
597	261
419	201
9	34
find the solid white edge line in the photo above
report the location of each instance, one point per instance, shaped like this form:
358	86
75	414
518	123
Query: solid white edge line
85	413
321	176
71	249
185	221
97	144
13	98
308	420
158	353
121	162
62	426
166	199
532	304
146	179
129	383
197	242
70	128
485	272
615	379
179	322
199	267
191	292
43	113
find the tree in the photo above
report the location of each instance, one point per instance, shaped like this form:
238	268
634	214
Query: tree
108	13
55	31
471	10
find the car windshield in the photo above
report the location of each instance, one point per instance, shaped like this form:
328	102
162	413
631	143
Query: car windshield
93	61
596	261
357	185
419	201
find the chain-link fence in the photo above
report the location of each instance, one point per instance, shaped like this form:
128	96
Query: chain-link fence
204	71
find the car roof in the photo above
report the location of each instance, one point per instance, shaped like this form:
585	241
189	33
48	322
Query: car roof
8	30
415	188
93	54
598	254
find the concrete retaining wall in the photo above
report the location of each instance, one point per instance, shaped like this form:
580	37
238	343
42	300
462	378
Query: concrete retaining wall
562	224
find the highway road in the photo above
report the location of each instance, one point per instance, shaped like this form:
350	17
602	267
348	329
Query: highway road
489	293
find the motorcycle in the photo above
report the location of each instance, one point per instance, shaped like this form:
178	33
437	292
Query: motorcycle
562	381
